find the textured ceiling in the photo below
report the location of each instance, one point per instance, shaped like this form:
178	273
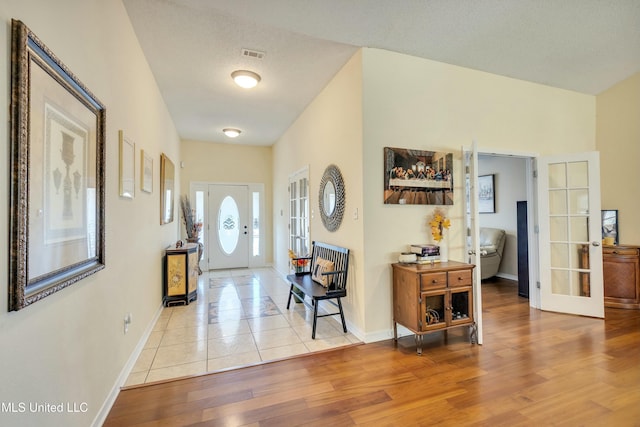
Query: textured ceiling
193	46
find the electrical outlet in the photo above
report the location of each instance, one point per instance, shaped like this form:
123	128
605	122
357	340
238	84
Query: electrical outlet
127	322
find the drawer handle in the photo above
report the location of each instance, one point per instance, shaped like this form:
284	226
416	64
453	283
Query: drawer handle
434	281
615	252
460	278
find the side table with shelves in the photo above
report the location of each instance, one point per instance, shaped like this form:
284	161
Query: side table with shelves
432	297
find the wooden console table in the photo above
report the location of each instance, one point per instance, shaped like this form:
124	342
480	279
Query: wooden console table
621	273
429	298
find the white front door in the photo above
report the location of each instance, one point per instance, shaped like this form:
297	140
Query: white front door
472	240
229	226
570	235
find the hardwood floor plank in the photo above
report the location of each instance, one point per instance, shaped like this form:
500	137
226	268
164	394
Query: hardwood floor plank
318	413
534	368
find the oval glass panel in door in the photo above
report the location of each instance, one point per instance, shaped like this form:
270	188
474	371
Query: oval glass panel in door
228	225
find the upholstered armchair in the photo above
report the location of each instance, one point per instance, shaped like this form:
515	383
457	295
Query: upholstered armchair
491	249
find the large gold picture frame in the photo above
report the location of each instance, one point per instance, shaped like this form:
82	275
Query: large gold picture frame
57	174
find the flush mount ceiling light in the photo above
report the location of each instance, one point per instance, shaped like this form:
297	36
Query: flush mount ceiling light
245	79
231	132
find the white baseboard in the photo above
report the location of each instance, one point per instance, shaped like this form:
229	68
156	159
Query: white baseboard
102	414
507	276
385	334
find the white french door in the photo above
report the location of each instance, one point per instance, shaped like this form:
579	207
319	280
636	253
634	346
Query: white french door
570	235
472	240
229	226
299	212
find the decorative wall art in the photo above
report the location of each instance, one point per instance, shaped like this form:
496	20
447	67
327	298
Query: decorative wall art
167	189
146	172
57	174
486	196
127	166
610	227
417	177
331	198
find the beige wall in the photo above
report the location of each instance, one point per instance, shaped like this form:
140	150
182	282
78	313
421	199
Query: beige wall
618	140
328	132
403	101
229	163
70	347
416	103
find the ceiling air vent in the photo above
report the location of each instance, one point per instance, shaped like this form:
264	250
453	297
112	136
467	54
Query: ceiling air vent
253	53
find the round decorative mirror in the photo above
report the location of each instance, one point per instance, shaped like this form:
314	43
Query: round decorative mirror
331	198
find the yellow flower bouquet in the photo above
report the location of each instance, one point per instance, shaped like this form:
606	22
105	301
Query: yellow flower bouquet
438	223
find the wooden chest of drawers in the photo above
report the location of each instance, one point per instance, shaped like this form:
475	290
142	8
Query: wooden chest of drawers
621	273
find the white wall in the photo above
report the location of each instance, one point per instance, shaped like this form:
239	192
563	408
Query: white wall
510	186
70	347
416	103
329	131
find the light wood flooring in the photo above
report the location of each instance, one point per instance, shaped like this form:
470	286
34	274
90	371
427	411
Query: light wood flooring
535	368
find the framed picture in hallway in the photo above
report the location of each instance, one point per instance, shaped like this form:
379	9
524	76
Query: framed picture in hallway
610	227
486	196
127	166
57	174
167	190
417	177
146	172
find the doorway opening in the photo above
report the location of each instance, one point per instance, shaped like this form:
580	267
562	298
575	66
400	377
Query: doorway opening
509	213
514	211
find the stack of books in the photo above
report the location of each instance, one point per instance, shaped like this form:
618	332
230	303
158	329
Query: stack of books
426	253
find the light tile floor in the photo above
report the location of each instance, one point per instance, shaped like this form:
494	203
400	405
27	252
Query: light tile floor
240	318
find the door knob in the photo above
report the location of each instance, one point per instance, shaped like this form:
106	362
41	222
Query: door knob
595	243
471	252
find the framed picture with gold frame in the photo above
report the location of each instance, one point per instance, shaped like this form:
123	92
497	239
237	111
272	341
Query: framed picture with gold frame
167	189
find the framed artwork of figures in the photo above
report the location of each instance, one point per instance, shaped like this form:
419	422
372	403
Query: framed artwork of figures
417	177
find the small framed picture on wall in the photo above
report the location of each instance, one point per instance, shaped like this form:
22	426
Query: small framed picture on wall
486	196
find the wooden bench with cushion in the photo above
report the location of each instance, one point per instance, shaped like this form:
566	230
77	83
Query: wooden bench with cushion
326	279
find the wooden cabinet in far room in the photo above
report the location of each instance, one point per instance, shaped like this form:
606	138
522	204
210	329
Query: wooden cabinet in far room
621	273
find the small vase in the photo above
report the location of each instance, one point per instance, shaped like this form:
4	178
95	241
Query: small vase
444	250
